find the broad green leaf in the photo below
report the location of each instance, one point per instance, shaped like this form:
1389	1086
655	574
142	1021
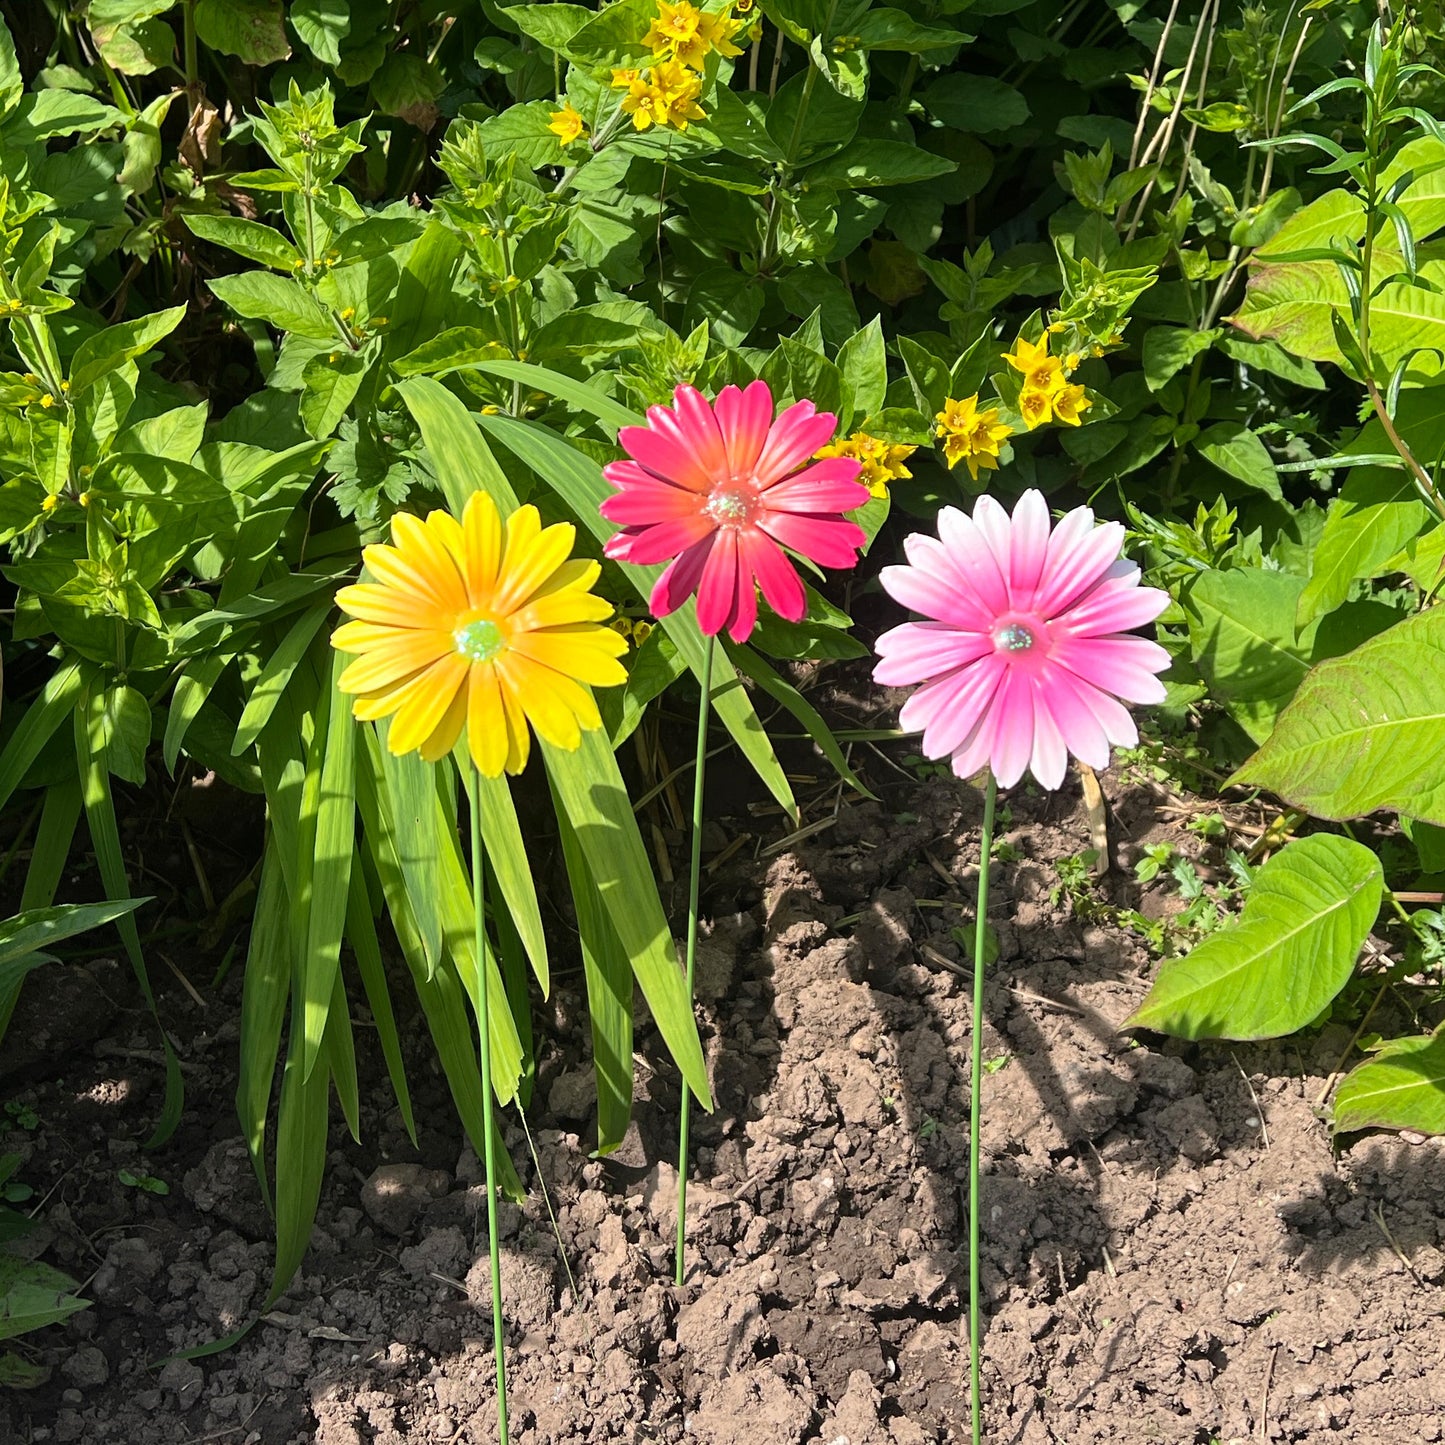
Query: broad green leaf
609	994
279	301
125	720
12	83
1365	731
424	302
1243	640
328	823
1422	559
579	481
868	163
330	383
975	102
32	1294
1270	356
322	26
1401	1087
1278	966
1169	349
885	29
106	350
252	30
1235	449
863	360
595	800
264	245
552	25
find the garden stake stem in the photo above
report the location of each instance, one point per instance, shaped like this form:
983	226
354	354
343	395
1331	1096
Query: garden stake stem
980	931
693	882
488	1142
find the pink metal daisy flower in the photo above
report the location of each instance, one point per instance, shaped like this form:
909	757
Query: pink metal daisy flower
1026	656
719	491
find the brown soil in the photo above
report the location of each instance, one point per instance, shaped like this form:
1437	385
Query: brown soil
1172	1251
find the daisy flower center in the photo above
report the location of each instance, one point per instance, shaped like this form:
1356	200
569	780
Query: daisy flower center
731	506
1019	637
480	640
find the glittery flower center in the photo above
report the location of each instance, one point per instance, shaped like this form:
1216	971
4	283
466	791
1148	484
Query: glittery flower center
731	506
1014	637
479	641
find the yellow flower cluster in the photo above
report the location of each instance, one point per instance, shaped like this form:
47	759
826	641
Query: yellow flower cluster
681	37
882	461
970	435
1047	393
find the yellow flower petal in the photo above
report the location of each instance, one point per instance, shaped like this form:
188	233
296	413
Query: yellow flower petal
487	730
482	525
414	537
556	706
528	565
419	715
558	609
580	653
390	662
444	737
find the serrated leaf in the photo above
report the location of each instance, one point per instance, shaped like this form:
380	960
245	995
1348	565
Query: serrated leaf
1290	952
1365	731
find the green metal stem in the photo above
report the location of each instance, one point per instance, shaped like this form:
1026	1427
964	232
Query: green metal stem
980	936
488	1126
694	880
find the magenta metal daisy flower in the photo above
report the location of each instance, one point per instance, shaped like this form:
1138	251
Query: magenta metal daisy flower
1026	655
722	493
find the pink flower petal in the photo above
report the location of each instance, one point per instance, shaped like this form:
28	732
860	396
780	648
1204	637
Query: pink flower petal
1124	666
1013	707
828	541
717	591
917	651
795	436
1028	547
1070	702
921	591
973	560
664	454
1070	571
649	500
828	486
745	604
744	417
680	578
1050	760
996	532
662	542
701	432
949	709
1112	607
764	560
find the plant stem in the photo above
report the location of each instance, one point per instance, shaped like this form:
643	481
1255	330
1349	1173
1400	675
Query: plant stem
488	1127
980	935
694	879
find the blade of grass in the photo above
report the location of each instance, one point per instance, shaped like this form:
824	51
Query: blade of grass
90	742
275	676
609	994
192	689
56	702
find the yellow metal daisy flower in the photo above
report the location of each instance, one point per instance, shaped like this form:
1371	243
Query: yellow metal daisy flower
475	625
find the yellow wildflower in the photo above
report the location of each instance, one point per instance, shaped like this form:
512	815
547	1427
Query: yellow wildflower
679	89
1036	406
567	124
685	33
718	31
1071	361
1027	355
970	435
644	101
49	503
882	461
641	631
1069	405
674	25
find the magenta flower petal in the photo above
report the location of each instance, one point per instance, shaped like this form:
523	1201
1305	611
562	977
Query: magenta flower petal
723	489
1028	652
797	435
744	418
